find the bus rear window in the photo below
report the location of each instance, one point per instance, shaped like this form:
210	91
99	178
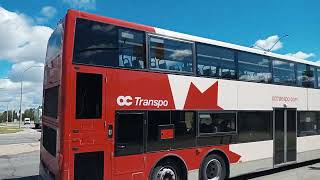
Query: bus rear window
50	104
103	44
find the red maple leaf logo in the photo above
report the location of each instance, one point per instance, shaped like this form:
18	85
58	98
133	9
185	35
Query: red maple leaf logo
206	100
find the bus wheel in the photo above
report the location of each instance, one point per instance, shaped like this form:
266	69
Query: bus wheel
166	171
213	168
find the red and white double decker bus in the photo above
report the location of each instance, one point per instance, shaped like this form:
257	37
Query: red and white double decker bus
126	101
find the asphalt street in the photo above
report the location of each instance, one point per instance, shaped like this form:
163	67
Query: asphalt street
20	166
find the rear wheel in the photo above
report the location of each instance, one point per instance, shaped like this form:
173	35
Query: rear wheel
167	170
213	168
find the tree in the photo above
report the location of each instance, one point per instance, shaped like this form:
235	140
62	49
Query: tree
29	113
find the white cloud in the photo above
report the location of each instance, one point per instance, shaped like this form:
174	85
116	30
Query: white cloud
20	39
301	55
24	44
266	44
180	54
48	11
81	4
20	70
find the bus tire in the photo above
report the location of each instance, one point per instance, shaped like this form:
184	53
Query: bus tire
167	170
213	168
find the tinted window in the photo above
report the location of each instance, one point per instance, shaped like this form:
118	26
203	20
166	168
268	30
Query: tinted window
215	61
254	126
184	124
108	45
306	75
254	67
88	96
55	43
308	123
318	75
49	139
50	103
217	123
170	55
157	119
129	134
284	72
89	165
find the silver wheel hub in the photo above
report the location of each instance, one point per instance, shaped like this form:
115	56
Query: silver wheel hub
213	170
166	174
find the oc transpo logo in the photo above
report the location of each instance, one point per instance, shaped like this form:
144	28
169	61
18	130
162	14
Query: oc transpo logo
124	100
139	101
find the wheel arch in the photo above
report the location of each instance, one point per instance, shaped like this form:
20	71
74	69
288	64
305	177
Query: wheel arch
219	153
170	157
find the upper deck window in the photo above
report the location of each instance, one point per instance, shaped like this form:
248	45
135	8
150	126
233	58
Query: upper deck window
215	61
54	43
284	72
306	75
170	55
253	67
318	75
103	44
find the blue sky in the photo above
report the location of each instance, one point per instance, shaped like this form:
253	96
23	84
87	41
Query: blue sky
240	22
245	22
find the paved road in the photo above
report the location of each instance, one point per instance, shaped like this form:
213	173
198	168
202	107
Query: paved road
303	171
20	166
27	136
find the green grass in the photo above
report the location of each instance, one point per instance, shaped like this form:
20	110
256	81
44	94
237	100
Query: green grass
6	130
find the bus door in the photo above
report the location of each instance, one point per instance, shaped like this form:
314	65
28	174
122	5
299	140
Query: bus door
129	144
90	144
284	136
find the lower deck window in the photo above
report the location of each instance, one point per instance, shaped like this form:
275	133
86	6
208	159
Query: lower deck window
212	123
309	123
49	139
89	166
254	126
129	134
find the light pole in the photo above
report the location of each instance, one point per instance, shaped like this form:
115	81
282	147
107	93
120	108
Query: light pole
21	83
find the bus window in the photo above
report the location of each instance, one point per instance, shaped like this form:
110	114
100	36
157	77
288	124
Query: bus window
103	44
49	139
212	123
318	75
255	68
50	103
215	61
129	134
306	75
156	119
170	55
131	49
184	128
308	123
88	96
283	72
254	126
